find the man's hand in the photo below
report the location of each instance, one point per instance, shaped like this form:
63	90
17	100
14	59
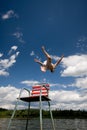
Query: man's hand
36	60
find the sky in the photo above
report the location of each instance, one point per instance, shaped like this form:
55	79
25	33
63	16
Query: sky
61	27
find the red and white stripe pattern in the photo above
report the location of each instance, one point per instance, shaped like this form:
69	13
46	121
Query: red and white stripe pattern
43	89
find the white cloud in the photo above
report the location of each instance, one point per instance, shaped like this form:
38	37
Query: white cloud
81	82
3	72
82	44
1	54
19	36
64	96
68	100
8	96
75	65
30	82
9	14
13	48
5	64
32	53
57	85
82	39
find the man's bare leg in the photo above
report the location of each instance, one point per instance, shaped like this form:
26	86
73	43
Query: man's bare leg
45	52
47	55
58	61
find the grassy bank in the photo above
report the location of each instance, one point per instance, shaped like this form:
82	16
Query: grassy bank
4	113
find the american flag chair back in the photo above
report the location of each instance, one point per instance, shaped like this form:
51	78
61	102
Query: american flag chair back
42	89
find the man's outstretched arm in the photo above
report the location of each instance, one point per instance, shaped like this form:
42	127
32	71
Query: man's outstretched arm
58	61
36	60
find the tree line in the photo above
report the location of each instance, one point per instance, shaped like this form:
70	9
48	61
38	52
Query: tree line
5	113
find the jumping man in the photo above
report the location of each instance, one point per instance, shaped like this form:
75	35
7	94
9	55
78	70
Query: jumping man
48	65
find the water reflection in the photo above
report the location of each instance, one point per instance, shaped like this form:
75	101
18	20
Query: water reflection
60	124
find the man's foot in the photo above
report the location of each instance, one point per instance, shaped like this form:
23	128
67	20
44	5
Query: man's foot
43	48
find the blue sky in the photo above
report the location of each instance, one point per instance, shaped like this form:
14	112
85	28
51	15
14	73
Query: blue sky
60	26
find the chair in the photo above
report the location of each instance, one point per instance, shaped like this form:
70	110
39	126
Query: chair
39	93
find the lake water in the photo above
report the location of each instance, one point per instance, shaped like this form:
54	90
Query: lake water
60	124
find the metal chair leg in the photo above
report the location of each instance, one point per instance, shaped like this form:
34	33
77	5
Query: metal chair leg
51	116
16	107
40	105
12	115
28	115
